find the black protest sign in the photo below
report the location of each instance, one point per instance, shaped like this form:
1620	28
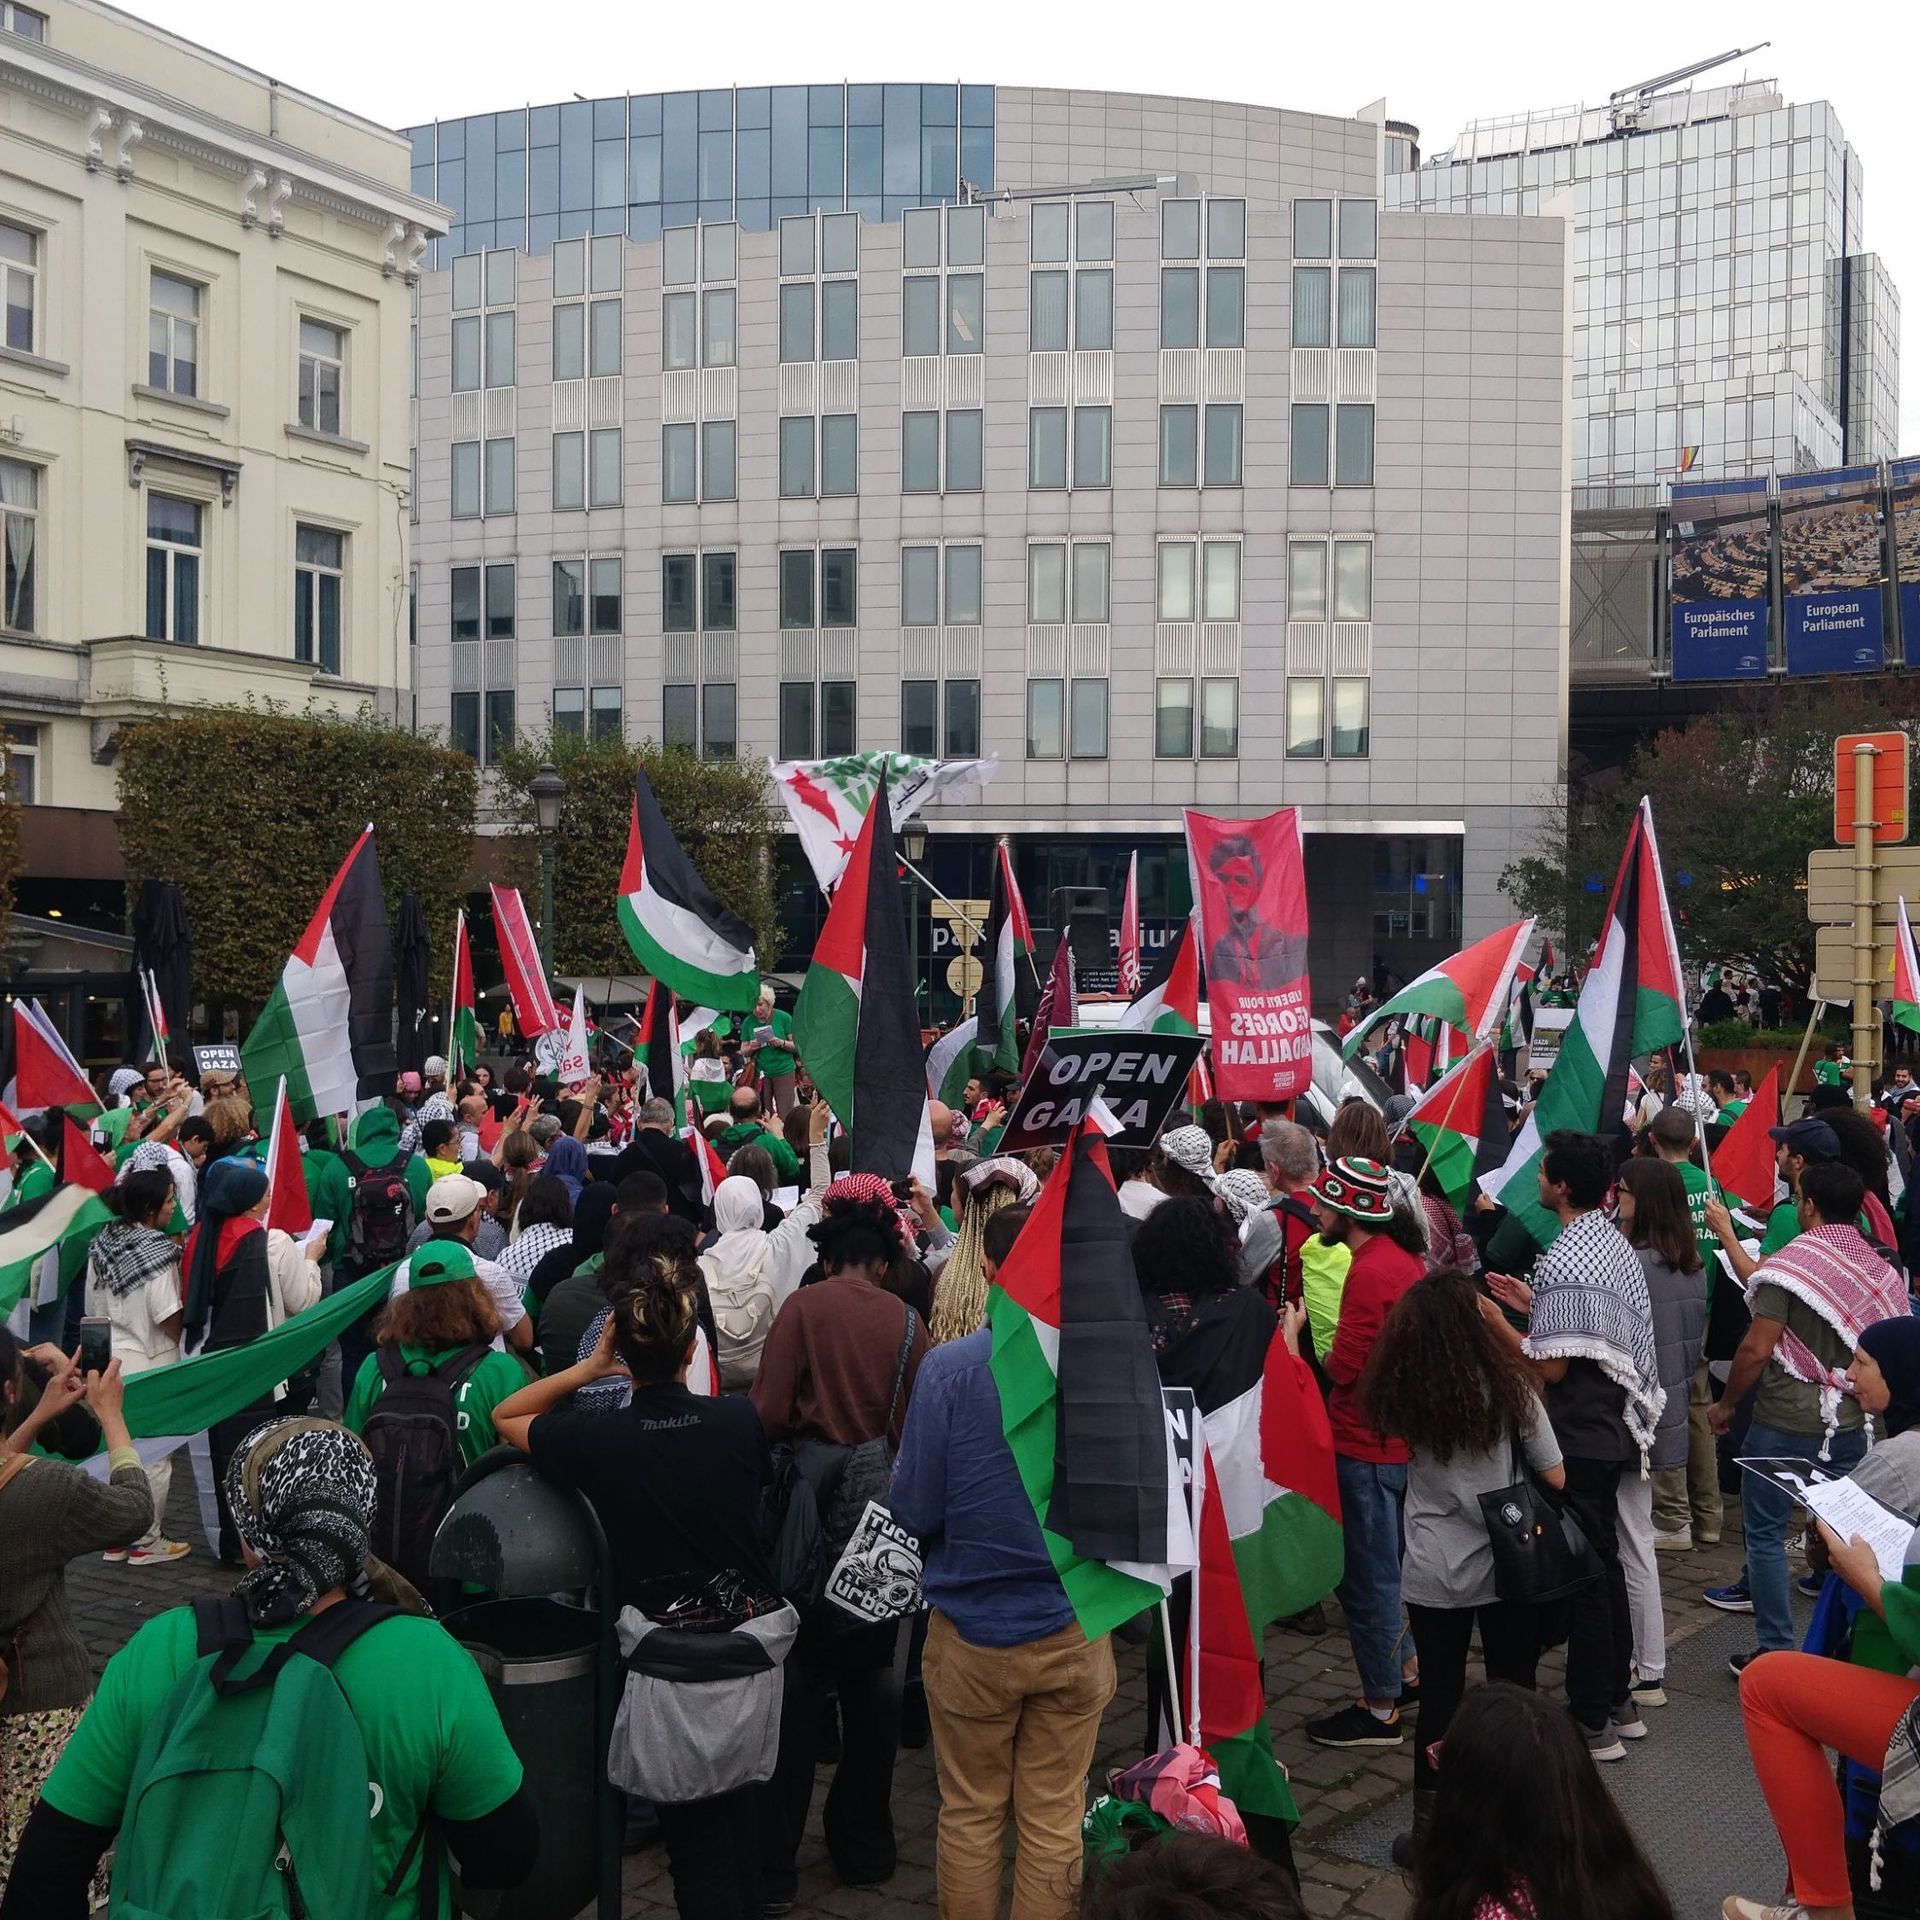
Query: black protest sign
1141	1077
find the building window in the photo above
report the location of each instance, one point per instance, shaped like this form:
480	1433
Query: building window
716	461
603	467
678	613
1313	229
319	573
569	361
718	306
604	608
1306	580
1220	580
570	472
1179	446
965	319
795	736
569	713
963	719
1180	229
919	453
840	454
1226	229
1087	712
23	21
607	710
796	319
1353	579
500	601
937	315
1046	585
1093	446
173	334
839	586
1224	434
570	598
920	316
466	354
466	603
678	479
796	455
1359	229
1310	468
1176	581
717	598
1092	582
796	588
1047	312
1226	307
920	587
962	586
464	728
1353	446
1179	306
717	733
964	450
1046	723
1046	447
499	476
1356	306
919	716
20	257
500	723
22	762
678	708
836	717
1219	719
1350	704
499	352
1306	712
839	320
679	343
1173	719
173	569
1312	306
19	546
323	365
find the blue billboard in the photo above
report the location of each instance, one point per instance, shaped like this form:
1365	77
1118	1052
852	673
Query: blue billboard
1905	499
1718	579
1832	571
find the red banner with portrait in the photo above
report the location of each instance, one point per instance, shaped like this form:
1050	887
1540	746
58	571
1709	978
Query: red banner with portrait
1250	885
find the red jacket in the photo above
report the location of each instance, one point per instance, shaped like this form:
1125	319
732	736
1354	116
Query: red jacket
1380	1274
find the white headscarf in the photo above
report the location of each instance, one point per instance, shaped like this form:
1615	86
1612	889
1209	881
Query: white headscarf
736	1257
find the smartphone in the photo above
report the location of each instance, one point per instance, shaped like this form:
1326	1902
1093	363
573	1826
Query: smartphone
96	1344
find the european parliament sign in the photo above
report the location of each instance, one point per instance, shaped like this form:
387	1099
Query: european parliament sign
1832	571
1718	579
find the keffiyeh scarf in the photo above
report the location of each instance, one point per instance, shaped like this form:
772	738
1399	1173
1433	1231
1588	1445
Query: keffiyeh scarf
302	1493
127	1255
531	1248
1590	1302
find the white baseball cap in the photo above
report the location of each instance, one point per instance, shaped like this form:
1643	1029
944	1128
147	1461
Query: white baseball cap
451	1198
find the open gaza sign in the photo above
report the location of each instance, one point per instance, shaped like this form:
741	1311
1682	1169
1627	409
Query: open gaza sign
1142	1077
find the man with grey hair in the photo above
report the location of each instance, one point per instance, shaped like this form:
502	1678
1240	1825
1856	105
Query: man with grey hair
546	1129
1283	1252
657	1148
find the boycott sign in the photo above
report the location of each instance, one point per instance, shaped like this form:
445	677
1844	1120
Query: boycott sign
1141	1077
1251	885
1550	1026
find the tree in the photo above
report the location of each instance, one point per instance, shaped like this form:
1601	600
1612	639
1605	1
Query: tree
717	808
251	809
1740	797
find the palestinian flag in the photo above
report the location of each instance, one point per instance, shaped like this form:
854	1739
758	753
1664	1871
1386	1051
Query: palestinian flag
658	1050
1468	992
82	1164
327	1027
290	1209
1007	986
463	1024
678	931
45	1072
1171	1003
1630	1005
1516	1030
950	1062
1906	974
12	1132
856	1025
1461	1121
1080	1396
62	1222
1744	1161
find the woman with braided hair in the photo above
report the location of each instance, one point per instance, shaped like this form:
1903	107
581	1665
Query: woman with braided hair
960	1296
677	1479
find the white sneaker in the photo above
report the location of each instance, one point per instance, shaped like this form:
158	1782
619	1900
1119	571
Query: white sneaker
114	1555
1679	1541
1737	1907
158	1553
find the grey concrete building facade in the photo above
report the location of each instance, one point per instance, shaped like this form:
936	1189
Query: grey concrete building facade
1152	457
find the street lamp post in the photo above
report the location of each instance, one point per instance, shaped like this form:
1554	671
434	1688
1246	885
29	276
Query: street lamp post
913	844
549	794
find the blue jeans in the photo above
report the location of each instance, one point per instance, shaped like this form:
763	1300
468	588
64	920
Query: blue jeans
1766	1512
1371	1502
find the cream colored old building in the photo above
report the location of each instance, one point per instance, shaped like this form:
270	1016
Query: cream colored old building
204	396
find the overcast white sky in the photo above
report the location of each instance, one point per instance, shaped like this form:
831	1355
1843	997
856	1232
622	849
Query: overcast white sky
405	61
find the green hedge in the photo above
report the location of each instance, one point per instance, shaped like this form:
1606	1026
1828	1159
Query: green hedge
250	810
718	808
1737	1033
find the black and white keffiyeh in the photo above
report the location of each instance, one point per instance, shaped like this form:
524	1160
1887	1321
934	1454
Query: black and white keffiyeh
126	1255
302	1492
1590	1302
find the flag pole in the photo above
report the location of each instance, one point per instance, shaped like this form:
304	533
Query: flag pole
453	999
151	988
1198	1499
1815	1006
1693	1082
977	931
1446	1119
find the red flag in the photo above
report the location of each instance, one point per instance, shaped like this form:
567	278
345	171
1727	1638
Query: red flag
1057	1006
527	986
290	1209
1743	1162
1130	931
81	1162
45	1073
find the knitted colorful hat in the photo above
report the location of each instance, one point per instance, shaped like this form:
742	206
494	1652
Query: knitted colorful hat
1357	1188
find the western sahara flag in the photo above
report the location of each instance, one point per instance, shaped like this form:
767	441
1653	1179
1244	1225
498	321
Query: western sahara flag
1007	989
678	931
328	1025
1461	1121
1630	1005
1468	992
855	1023
1080	1397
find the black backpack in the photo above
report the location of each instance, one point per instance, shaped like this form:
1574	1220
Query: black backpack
413	1434
379	1213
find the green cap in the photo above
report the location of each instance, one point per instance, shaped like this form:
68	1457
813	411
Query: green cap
439	1262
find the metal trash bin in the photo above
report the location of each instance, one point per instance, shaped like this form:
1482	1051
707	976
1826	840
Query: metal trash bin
550	1665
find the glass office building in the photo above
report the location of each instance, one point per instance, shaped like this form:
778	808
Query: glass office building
639	163
1727	320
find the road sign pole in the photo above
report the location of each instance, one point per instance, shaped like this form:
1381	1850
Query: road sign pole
1866	1017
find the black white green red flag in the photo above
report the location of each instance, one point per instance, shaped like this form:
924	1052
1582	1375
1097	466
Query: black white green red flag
1631	1004
327	1026
1467	991
1906	975
463	1020
678	931
1007	986
1461	1123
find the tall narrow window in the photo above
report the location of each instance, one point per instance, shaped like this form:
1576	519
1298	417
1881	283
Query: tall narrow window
1179	446
323	361
603	467
796	320
963	586
500	349
173	334
796	588
1356	306
919	716
19	546
1306	580
679	347
173	569
796	457
605	609
1224	433
964	450
840	453
677	463
500	601
1353	580
840	320
965	313
1046	447
1219	719
1310	464
1093	446
836	717
1226	307
1087	719
569	472
1046	585
920	587
465	461
319	571
569	713
717	308
1173	719
839	587
678	725
678	613
1176	581
1047	312
20	258
464	591
1312	306
796	720
1179	306
499	496
717	442
1046	719
963	719
919	453
716	592
570	598
607	704
1306	719
570	343
1092	582
1350	729
717	734
1353	446
1220	580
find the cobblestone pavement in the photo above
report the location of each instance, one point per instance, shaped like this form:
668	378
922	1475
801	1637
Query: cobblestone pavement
1694	1758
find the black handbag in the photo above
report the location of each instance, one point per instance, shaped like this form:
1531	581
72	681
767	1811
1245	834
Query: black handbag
1540	1551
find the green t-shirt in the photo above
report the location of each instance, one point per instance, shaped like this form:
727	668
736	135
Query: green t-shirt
434	1739
1782	1401
1831	1073
1783	1224
773	1058
329	1197
37	1179
1731	1112
1699	1190
491	1381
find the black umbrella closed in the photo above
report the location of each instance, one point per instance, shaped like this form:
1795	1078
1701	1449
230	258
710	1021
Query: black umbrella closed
413	1022
163	948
